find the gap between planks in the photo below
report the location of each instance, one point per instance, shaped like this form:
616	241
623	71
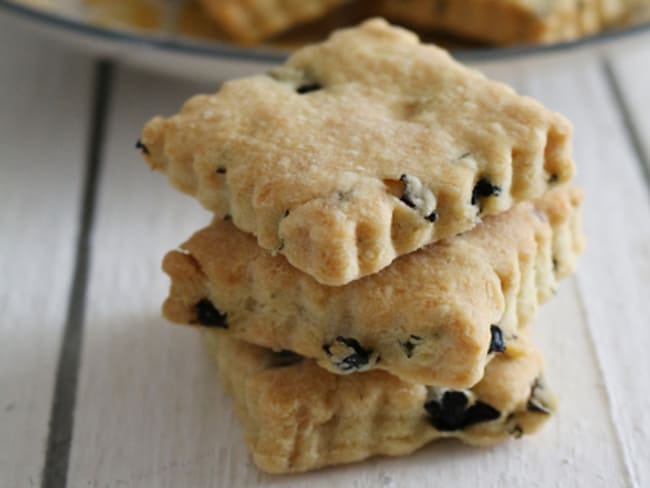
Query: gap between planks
61	424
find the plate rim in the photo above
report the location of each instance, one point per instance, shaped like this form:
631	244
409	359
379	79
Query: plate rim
232	52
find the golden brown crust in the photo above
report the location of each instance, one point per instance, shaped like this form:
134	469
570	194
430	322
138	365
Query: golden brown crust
298	417
426	318
250	21
398	146
508	21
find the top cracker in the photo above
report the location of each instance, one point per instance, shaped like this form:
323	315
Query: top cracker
359	150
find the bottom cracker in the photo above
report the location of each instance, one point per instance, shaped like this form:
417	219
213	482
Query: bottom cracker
298	416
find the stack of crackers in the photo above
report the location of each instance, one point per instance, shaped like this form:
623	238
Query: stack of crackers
386	224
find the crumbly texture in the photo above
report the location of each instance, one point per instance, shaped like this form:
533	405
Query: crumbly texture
508	21
359	150
427	318
297	416
250	21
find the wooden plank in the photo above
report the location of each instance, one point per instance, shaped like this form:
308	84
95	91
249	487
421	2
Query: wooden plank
151	413
139	373
614	276
44	95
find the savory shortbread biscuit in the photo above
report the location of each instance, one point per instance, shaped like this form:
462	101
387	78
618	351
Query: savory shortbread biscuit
297	416
359	150
508	21
250	21
435	316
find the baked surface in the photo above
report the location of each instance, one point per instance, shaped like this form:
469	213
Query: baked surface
250	21
297	416
508	21
360	149
427	318
503	22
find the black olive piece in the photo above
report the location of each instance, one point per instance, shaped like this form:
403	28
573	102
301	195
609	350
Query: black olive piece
409	345
407	201
139	145
209	316
451	412
536	404
310	87
359	358
480	412
284	358
553	178
448	413
484	188
432	217
497	342
221	170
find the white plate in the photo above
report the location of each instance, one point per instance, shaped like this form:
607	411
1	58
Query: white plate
66	20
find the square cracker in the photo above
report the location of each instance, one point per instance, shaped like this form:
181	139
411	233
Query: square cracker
359	150
432	317
297	416
250	21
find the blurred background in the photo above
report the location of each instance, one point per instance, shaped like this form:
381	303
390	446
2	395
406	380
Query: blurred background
243	34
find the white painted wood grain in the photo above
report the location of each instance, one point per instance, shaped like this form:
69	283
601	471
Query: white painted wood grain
615	279
632	70
614	276
44	95
150	410
143	407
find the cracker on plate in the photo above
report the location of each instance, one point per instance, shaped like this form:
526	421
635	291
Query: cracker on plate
250	21
506	21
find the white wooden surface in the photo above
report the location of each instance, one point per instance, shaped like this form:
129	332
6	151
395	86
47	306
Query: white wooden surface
40	189
614	276
149	410
633	75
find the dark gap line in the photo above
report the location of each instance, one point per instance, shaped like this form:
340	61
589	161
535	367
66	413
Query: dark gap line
628	121
61	424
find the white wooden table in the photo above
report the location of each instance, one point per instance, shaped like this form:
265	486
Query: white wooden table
96	390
